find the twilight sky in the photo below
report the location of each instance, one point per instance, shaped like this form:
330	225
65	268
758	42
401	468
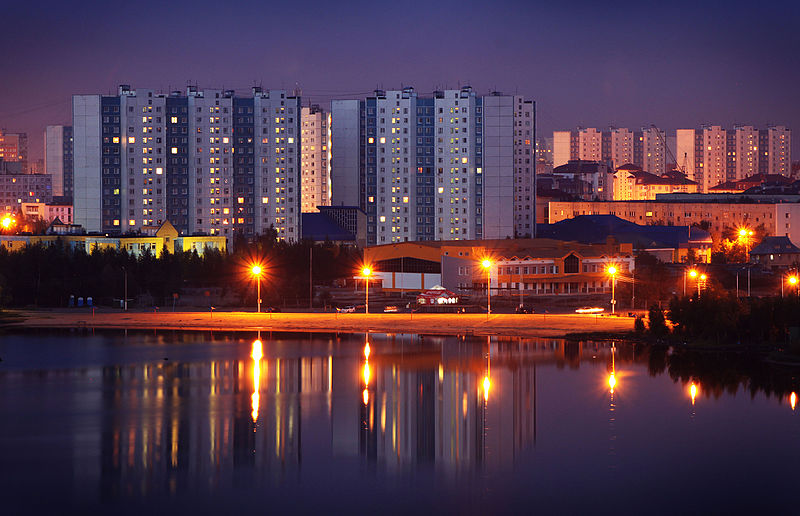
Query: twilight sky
626	63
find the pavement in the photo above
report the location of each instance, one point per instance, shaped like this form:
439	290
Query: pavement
534	325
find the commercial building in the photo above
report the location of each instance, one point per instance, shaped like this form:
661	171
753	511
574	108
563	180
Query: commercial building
645	148
14	148
209	161
315	156
713	155
531	267
451	166
58	158
779	215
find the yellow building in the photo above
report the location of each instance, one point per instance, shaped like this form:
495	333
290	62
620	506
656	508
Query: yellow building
164	237
631	183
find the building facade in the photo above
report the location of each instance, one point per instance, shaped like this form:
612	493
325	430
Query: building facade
315	172
455	165
17	188
713	155
633	184
209	161
778	217
14	147
58	158
618	146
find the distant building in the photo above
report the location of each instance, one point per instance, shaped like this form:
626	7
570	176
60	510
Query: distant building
59	209
17	188
713	155
780	215
14	147
452	166
142	157
777	252
336	224
591	180
58	158
163	237
315	172
633	184
673	244
616	146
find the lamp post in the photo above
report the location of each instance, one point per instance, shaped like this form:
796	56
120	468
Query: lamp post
487	264
256	271
703	278
612	270
366	271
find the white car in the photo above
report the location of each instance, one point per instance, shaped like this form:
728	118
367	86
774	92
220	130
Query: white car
589	310
347	309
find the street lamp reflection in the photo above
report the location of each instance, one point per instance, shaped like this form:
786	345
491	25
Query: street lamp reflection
693	392
793	400
257	353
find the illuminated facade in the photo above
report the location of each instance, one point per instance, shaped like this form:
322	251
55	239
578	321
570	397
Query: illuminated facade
14	147
778	218
633	184
713	155
619	146
16	189
208	161
448	167
315	157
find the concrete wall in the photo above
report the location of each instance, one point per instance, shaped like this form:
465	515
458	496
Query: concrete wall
87	170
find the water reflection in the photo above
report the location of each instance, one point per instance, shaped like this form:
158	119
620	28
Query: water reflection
398	402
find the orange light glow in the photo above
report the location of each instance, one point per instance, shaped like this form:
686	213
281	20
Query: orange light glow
693	392
256	270
366	350
255	399
367	374
366	271
7	222
611	270
612	382
486	264
365	396
793	280
793	400
693	273
703	277
486	386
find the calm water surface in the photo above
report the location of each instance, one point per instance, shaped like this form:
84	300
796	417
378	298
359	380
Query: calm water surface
171	422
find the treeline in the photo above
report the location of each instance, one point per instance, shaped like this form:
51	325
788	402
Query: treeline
47	276
718	317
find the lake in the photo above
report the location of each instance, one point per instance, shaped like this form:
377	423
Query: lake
172	422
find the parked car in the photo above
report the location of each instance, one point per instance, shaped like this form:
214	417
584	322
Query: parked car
524	310
391	309
349	309
589	310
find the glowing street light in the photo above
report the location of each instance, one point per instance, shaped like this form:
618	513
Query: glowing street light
366	271
487	264
612	270
7	222
793	281
693	274
257	271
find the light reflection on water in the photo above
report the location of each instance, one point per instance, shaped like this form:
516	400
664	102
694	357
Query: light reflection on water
146	415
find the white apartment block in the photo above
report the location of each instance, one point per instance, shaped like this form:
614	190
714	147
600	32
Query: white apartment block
524	167
653	149
590	144
315	156
621	147
208	161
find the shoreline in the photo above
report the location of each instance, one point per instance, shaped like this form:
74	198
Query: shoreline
510	325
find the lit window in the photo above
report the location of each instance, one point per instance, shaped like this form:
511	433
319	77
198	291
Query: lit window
132	222
116	139
265	200
131	139
174	150
174	119
116	222
240	200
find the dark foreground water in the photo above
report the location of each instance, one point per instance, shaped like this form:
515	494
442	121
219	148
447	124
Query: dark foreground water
171	422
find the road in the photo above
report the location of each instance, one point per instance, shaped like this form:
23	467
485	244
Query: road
540	325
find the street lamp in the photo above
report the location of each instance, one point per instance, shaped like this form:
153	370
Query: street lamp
7	222
612	270
693	274
366	271
702	279
256	271
793	280
487	264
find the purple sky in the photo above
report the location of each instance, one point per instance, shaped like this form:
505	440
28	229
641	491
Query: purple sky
629	64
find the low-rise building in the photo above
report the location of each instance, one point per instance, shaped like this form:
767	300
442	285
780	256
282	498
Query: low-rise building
530	267
631	183
166	237
776	253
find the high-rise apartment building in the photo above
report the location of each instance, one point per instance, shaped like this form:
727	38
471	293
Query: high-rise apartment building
58	158
619	146
208	161
712	155
14	147
454	165
315	157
